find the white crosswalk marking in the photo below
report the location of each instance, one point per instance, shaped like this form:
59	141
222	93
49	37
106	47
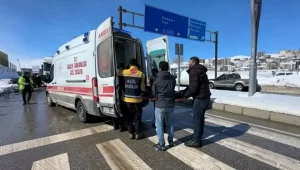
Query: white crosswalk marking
284	139
21	146
120	157
194	158
58	162
260	154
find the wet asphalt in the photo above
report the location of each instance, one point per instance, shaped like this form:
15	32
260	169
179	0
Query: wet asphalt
22	123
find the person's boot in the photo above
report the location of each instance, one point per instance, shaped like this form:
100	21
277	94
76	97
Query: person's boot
123	129
131	136
193	144
159	147
139	136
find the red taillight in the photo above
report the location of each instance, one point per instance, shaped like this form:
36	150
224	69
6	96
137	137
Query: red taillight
95	89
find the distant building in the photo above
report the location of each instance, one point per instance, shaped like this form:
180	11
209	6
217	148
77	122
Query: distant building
4	59
259	54
272	65
288	65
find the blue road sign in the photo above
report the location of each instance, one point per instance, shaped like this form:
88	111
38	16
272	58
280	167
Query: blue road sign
168	23
197	30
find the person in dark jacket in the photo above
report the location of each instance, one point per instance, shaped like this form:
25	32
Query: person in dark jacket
198	89
163	91
154	72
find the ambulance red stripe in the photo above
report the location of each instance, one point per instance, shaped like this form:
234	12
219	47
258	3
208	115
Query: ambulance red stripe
107	90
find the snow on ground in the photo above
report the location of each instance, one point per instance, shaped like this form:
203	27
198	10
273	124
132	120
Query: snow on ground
269	102
6	87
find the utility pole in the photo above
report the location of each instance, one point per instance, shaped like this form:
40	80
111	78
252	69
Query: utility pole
216	54
255	18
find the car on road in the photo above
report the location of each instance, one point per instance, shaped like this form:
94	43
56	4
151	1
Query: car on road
229	80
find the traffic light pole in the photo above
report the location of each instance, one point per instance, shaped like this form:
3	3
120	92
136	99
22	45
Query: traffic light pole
121	24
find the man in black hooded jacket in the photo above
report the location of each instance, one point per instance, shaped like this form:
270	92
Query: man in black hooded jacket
199	90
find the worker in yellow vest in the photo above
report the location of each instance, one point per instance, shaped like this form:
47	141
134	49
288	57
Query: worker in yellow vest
25	85
134	86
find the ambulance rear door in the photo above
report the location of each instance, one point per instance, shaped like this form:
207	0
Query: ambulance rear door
157	51
105	69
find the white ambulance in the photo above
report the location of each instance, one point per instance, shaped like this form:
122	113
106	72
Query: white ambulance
84	71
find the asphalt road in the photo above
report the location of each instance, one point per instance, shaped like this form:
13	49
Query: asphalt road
39	137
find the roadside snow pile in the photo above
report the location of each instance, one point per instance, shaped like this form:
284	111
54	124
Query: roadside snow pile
287	80
7	73
268	102
6	87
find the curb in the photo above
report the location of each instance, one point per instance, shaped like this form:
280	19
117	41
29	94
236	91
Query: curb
261	114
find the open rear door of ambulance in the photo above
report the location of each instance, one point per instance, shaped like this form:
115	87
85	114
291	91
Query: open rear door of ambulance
105	66
157	51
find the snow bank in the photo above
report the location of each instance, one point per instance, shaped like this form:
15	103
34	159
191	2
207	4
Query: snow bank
269	102
6	87
287	80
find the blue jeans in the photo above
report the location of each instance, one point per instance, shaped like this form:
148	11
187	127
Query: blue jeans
199	108
160	115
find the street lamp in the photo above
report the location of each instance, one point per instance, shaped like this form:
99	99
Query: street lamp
255	18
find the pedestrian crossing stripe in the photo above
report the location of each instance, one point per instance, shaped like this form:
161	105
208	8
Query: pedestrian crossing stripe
193	157
58	162
255	152
21	146
281	138
118	156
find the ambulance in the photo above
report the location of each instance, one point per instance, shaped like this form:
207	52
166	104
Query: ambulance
84	71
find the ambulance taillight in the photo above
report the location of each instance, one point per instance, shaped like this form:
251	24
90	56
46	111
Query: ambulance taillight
95	89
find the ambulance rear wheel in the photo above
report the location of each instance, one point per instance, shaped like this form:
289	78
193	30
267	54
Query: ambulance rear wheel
49	101
82	113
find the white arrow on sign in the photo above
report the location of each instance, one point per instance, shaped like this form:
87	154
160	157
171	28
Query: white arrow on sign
178	34
202	38
156	29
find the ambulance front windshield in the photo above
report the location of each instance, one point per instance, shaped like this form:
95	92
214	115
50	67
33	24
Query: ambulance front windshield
125	50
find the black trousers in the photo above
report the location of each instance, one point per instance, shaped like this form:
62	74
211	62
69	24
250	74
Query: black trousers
27	91
133	116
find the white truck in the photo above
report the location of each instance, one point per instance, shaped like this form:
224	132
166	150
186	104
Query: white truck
84	71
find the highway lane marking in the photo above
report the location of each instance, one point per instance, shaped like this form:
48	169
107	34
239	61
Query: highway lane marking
194	157
58	162
120	157
29	144
255	152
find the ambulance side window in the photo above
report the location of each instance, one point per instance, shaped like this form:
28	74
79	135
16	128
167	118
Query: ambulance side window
105	58
52	73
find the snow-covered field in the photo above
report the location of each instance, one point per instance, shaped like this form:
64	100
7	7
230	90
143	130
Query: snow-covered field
6	87
264	78
269	102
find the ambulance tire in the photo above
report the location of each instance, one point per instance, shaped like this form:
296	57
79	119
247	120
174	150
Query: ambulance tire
82	113
49	101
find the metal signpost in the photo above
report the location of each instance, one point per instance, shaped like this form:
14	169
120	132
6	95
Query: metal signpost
179	52
255	18
167	23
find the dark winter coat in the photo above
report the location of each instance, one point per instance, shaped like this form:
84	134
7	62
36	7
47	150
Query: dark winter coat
163	90
198	83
